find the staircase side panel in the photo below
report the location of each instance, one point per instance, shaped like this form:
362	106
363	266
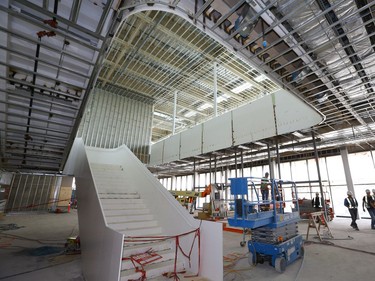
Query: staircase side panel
172	217
101	246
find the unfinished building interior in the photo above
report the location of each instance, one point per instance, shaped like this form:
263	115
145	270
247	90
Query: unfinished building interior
111	110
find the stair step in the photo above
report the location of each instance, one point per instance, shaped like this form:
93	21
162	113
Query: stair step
116	201
166	255
129	218
119	196
124	206
132	225
141	247
144	231
125	212
152	270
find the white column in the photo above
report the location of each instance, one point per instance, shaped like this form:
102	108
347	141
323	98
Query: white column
345	162
215	88
174	113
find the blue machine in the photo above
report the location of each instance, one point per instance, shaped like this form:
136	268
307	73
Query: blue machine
273	223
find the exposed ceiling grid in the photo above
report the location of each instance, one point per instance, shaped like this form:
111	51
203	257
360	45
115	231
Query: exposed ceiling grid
321	50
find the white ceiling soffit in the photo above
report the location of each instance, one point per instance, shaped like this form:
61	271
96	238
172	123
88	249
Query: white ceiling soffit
50	53
278	113
320	50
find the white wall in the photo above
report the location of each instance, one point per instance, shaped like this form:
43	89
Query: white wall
101	246
275	114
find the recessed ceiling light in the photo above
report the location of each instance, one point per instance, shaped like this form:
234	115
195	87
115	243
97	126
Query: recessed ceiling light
241	88
298	134
260	78
204	106
222	98
190	114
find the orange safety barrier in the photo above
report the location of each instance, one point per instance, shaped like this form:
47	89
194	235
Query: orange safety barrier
150	256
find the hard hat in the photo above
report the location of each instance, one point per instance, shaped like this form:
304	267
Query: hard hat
368	190
349	192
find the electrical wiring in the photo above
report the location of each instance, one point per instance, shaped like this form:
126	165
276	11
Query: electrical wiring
328	243
232	259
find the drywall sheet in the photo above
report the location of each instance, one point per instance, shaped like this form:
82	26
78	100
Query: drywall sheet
171	148
254	121
191	142
211	250
217	133
156	156
293	114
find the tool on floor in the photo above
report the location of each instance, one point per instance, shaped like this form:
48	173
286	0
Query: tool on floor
73	245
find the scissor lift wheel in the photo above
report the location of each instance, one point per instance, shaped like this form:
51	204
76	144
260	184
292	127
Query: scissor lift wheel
302	252
250	258
280	264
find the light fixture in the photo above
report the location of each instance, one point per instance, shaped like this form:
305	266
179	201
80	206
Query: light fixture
260	78
243	147
298	134
222	98
259	143
241	88
204	106
190	114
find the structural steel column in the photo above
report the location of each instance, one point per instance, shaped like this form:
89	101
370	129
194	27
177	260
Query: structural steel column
318	170
278	158
345	161
270	168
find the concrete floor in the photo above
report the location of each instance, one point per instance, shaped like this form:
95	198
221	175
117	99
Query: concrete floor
350	256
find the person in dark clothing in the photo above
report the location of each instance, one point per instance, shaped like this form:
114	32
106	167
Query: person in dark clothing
264	186
369	203
316	201
352	204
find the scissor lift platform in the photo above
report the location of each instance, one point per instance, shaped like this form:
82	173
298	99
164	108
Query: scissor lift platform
274	231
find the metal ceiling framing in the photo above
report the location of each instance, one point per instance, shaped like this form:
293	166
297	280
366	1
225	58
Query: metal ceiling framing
50	53
320	50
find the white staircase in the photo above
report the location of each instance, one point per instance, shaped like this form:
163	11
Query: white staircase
126	213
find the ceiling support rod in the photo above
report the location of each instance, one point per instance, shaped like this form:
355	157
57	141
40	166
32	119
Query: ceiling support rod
215	88
174	113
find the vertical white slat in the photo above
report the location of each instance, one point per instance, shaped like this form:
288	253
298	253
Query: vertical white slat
107	119
126	127
131	122
103	119
114	128
16	192
35	191
31	188
111	120
41	192
94	118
